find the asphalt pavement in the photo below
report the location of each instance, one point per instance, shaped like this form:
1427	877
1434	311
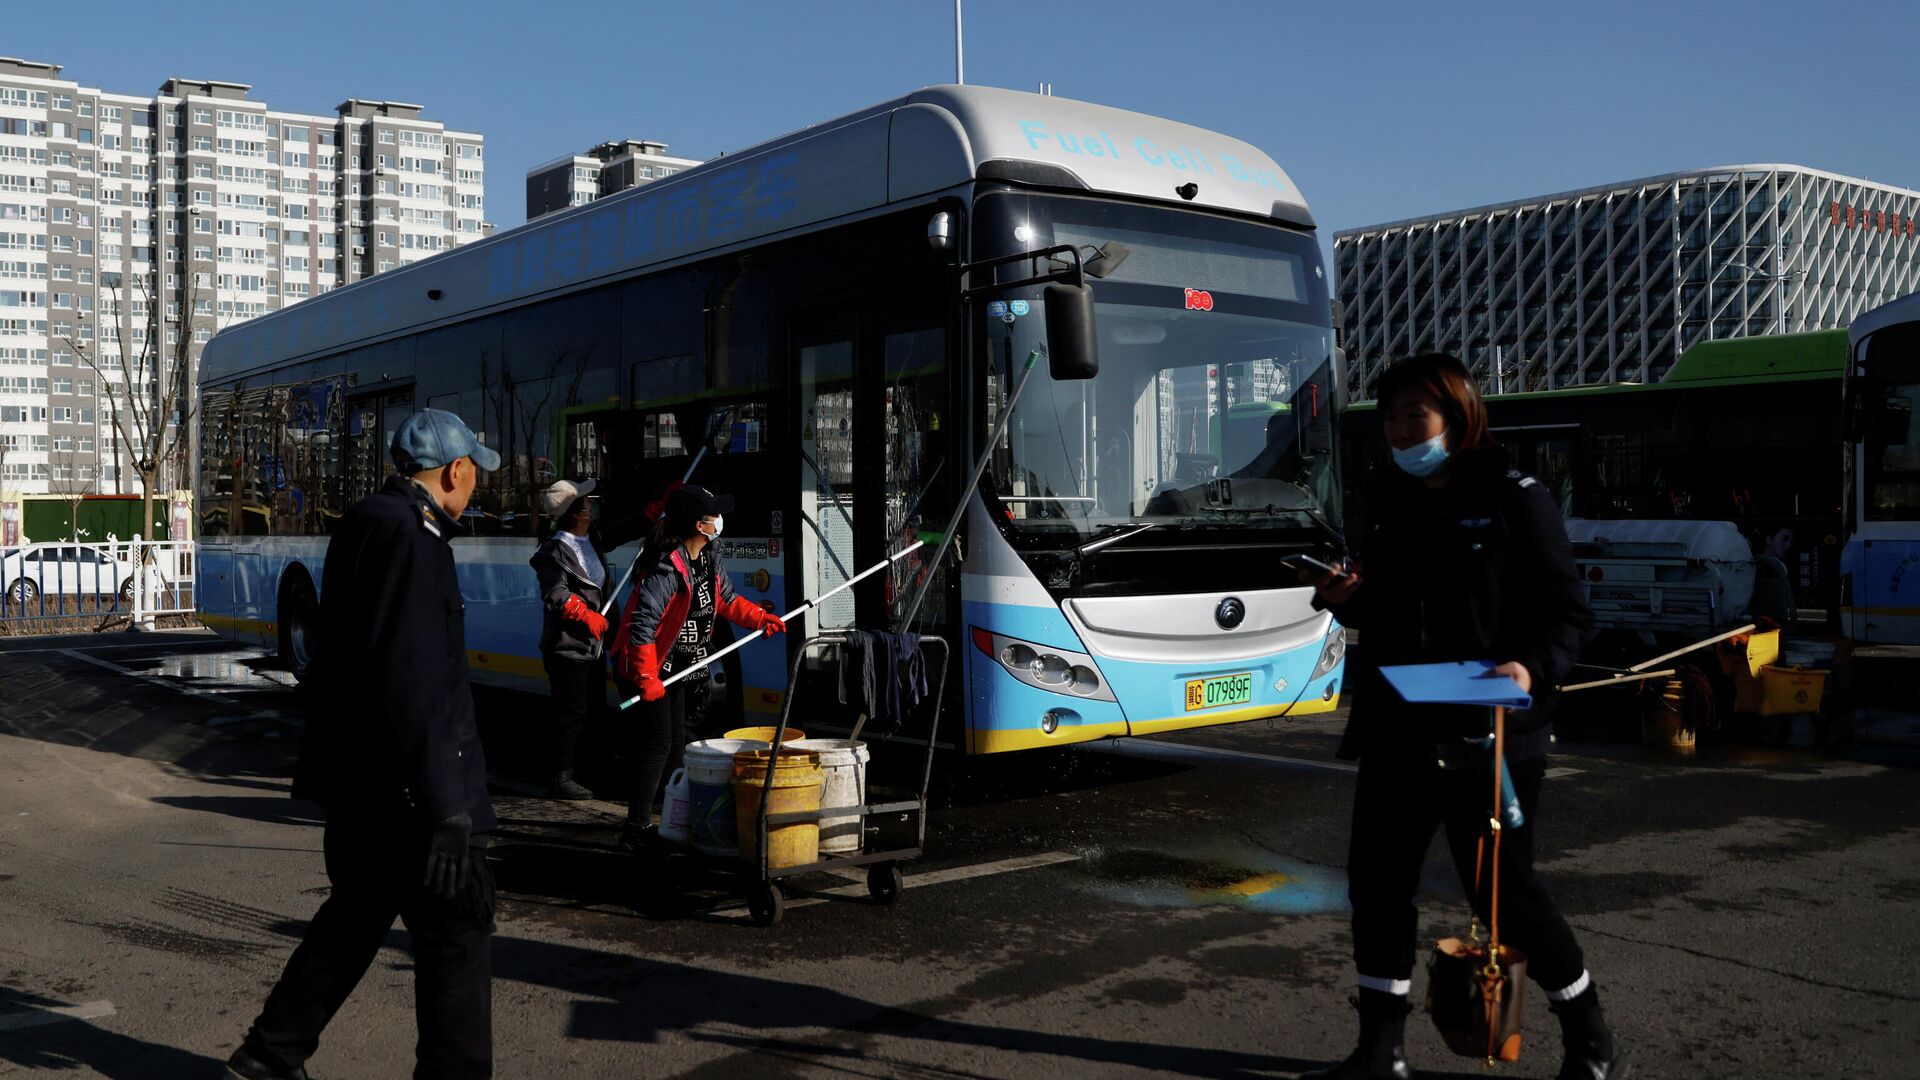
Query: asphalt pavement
1171	907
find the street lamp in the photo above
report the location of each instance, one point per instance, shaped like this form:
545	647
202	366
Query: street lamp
1780	276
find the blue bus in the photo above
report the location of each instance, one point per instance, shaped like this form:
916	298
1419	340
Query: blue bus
839	318
1880	563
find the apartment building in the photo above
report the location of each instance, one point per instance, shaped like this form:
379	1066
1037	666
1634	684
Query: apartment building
578	179
134	227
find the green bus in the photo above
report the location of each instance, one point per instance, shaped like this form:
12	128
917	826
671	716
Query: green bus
1746	430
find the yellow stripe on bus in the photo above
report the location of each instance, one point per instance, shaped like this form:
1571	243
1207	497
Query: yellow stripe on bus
238	625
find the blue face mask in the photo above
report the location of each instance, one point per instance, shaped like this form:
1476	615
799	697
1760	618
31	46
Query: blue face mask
1423	459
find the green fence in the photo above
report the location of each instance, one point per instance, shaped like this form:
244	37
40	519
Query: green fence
47	518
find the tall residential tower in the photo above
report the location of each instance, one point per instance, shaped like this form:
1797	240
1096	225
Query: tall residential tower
132	225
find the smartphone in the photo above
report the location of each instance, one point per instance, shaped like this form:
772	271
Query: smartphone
1313	562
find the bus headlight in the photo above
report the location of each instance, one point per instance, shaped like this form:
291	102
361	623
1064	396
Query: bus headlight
1332	652
1043	667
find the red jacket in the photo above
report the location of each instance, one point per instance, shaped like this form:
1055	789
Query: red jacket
651	619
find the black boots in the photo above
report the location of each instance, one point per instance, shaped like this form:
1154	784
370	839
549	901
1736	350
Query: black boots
564	786
1592	1051
639	839
246	1065
1382	1054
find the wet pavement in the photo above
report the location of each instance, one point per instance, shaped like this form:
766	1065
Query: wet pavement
1172	907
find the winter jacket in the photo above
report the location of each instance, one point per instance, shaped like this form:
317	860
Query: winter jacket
1477	570
562	576
650	621
393	736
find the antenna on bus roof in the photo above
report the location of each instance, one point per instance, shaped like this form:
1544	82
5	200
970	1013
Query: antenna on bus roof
959	48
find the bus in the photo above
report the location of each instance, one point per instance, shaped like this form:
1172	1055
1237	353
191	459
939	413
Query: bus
1880	563
839	318
1744	430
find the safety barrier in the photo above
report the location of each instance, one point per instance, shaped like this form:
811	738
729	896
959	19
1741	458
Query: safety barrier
120	581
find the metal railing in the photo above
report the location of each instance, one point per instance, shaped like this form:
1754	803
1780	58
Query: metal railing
119	582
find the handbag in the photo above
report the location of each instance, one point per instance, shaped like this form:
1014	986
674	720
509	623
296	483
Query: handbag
1474	987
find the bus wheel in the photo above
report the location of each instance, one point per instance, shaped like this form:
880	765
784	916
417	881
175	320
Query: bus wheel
299	610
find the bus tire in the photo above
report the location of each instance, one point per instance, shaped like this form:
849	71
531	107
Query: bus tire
299	622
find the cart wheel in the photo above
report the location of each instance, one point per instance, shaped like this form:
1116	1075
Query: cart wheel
765	904
884	882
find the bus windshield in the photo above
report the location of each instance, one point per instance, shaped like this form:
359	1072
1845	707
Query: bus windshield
1215	400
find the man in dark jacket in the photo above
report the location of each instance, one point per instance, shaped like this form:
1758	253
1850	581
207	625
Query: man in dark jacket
393	754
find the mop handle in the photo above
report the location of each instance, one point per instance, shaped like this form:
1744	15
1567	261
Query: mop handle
802	609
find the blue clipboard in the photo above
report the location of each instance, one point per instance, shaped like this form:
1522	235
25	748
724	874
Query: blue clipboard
1468	682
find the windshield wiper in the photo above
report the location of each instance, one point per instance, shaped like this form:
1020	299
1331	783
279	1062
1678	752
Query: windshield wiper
1113	535
1312	514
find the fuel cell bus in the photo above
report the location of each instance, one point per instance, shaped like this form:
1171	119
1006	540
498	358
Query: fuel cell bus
840	317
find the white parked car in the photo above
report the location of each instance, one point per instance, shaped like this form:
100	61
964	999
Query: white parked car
53	570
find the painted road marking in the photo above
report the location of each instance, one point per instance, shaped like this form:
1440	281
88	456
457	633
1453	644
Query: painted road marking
92	1010
931	877
1157	748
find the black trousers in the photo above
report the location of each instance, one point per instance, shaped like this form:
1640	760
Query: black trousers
1398	804
579	691
661	735
376	872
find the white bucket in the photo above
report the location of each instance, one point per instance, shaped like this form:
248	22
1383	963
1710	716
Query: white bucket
675	815
845	763
710	822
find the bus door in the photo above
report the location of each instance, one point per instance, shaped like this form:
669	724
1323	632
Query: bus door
372	419
872	409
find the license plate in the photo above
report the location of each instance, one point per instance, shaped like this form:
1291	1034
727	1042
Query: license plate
1223	690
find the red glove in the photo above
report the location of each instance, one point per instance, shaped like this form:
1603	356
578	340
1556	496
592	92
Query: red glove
577	610
643	670
773	624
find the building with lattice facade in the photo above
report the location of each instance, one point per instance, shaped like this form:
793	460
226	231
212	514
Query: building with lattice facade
1613	283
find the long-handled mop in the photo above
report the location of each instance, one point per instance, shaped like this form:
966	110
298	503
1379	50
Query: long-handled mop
795	613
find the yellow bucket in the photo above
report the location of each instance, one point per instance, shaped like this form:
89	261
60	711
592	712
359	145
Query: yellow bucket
1789	691
765	734
797	784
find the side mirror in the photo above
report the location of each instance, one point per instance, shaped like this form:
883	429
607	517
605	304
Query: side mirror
1072	348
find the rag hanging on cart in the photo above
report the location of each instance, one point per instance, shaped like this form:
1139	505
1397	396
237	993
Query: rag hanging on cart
883	673
1474	987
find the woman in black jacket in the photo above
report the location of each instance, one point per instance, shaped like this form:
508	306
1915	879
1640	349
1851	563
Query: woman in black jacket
1462	559
572	570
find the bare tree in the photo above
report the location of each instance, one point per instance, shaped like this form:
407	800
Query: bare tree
71	488
153	409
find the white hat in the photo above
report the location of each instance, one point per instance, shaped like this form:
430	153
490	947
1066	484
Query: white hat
562	494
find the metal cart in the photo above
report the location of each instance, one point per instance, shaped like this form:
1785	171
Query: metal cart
765	901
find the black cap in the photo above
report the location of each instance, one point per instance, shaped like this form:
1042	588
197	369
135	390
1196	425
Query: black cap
691	503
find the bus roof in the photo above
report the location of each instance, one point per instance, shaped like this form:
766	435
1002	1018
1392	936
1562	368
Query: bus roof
1763	358
913	146
1905	309
1812	354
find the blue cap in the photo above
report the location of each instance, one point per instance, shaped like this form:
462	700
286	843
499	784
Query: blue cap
431	438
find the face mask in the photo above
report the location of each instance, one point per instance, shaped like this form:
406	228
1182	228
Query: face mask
719	526
1424	459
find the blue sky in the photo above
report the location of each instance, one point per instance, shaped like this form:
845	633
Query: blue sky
1378	110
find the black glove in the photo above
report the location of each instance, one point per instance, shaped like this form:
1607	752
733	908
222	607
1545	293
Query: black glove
446	871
